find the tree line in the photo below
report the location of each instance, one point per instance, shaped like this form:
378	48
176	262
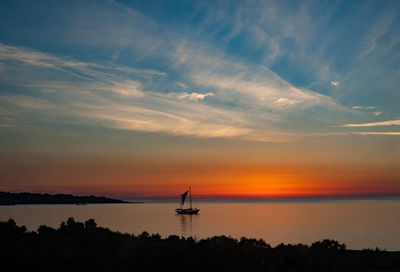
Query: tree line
84	246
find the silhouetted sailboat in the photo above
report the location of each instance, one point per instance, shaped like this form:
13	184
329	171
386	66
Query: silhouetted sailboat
190	210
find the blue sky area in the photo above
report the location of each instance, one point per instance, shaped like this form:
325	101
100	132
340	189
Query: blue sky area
267	71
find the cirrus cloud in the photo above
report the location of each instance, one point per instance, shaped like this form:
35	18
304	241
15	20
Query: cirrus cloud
375	124
194	96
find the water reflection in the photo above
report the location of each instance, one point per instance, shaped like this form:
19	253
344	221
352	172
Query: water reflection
359	224
186	223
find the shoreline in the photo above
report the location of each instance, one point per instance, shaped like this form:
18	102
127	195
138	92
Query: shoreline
26	198
77	204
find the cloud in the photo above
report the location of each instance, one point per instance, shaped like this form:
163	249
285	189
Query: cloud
134	99
182	85
191	123
256	85
375	124
153	113
103	97
363	107
306	43
13	55
28	102
25	56
125	88
140	71
246	95
335	83
285	101
193	96
394	133
34	58
366	133
271	93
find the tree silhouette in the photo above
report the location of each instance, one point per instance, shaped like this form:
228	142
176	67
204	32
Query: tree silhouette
84	246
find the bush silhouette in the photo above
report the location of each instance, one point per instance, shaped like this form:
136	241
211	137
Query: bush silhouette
84	246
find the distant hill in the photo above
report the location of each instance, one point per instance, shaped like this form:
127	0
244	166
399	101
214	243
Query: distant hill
34	198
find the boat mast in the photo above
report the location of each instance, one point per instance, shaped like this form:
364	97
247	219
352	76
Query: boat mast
190	195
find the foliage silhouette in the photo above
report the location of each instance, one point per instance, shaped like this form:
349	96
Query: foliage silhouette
83	246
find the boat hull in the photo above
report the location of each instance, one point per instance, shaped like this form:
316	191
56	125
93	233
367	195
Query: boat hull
187	211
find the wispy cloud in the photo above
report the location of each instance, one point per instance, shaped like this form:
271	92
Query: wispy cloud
152	113
193	96
35	58
375	124
258	84
306	43
394	133
105	99
249	99
182	85
125	88
364	107
28	102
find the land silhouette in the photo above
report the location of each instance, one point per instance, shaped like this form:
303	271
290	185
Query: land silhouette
84	246
7	198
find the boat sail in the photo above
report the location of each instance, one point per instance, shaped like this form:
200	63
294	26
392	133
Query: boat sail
190	210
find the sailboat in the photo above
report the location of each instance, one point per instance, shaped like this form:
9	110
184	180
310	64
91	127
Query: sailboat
190	210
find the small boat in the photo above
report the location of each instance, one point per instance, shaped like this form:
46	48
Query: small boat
190	210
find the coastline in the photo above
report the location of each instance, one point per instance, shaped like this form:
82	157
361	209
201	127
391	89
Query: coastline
26	198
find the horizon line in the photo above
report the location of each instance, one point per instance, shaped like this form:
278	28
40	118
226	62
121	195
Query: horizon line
219	196
268	197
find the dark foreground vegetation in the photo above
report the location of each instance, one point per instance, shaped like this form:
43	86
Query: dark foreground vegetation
77	246
33	198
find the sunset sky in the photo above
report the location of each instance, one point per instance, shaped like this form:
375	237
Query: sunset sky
137	99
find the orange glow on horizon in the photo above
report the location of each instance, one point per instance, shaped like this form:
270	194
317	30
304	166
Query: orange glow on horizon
133	179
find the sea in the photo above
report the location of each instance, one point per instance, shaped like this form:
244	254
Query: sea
359	223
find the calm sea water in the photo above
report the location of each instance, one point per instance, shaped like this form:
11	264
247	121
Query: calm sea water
357	223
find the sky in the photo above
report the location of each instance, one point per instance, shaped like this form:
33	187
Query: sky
137	99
